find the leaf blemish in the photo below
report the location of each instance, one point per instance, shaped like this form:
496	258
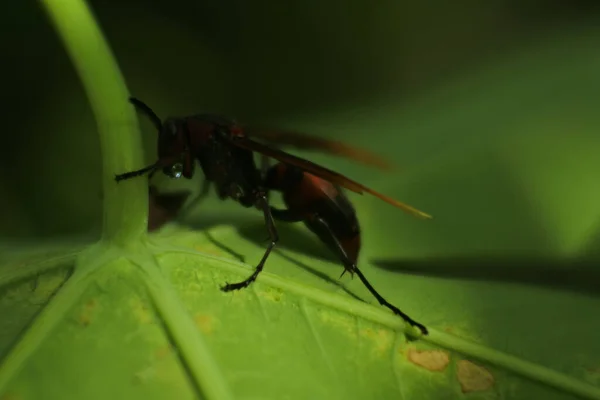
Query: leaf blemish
164	351
432	360
472	377
206	323
85	317
383	339
272	294
340	320
141	311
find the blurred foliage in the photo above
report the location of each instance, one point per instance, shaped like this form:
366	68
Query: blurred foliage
257	60
489	109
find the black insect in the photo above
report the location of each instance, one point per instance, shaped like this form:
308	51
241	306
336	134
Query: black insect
226	155
326	211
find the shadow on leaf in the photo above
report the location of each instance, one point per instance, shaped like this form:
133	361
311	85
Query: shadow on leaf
580	275
291	238
223	247
252	228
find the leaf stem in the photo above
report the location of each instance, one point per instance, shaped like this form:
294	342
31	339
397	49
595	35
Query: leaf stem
193	349
125	205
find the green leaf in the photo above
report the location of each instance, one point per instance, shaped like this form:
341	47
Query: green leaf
137	316
151	322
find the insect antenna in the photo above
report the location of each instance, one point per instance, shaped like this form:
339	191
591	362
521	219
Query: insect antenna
144	108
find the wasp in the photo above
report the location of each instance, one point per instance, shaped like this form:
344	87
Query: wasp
225	154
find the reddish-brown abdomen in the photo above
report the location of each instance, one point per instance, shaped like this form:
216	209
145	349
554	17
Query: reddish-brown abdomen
308	191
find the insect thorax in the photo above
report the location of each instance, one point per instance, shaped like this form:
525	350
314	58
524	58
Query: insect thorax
232	169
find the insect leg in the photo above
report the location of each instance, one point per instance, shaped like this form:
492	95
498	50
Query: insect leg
139	172
144	108
265	164
274	239
285	216
350	266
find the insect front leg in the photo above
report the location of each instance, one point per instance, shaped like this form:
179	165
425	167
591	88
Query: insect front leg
273	236
128	175
351	267
285	216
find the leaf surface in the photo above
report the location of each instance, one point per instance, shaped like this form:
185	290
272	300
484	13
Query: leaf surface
504	275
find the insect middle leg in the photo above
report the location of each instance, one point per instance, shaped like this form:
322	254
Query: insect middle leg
265	165
273	236
352	268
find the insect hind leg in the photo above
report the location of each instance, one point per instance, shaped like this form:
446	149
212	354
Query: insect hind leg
273	235
351	267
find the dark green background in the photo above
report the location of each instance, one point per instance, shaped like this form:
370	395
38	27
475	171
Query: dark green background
259	61
491	110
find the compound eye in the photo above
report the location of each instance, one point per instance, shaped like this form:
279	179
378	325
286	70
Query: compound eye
176	171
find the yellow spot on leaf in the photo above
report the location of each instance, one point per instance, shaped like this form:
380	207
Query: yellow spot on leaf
141	311
163	352
472	377
342	321
368	333
432	360
382	339
271	294
206	323
85	317
91	304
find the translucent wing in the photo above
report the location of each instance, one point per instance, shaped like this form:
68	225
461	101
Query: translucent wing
321	172
298	140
